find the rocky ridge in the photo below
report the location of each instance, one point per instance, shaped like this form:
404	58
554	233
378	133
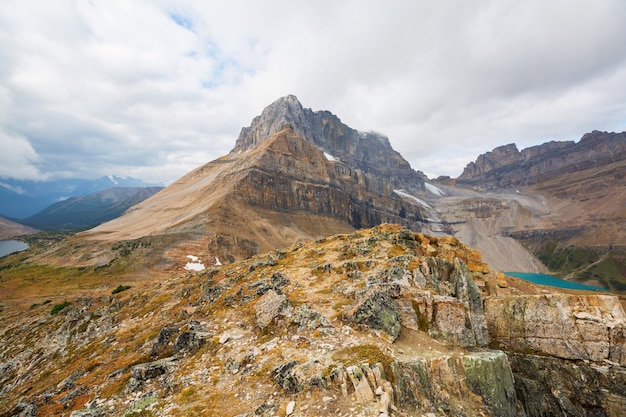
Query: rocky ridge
383	321
506	167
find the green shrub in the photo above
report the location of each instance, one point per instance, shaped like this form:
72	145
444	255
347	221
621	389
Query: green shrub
59	307
121	288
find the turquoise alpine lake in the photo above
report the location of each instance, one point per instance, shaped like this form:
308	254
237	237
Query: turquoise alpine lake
543	279
8	247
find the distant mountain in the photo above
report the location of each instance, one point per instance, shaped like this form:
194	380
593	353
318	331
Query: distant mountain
506	167
564	201
79	213
295	174
23	198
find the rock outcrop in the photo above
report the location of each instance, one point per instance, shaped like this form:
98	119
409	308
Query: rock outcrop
566	351
442	383
581	327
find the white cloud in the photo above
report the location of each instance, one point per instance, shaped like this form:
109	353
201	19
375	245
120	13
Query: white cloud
154	89
18	158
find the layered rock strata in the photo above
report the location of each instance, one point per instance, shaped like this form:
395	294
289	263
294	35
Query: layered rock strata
586	327
506	167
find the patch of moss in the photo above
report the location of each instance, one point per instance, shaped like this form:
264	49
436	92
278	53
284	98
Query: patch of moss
422	319
58	307
371	354
121	288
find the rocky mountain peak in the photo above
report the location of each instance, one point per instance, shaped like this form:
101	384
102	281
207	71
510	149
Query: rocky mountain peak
367	151
497	158
285	110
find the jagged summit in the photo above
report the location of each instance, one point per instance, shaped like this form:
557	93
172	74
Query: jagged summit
368	151
286	110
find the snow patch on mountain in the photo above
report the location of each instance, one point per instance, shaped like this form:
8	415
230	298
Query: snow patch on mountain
403	193
195	264
330	157
434	189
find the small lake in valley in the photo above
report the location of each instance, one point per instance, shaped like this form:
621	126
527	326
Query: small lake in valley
8	247
543	279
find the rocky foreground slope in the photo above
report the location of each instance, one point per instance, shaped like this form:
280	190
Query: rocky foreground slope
383	321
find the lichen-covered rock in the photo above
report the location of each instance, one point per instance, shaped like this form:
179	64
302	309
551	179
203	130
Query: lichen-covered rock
363	391
488	374
477	384
284	376
548	386
189	341
448	305
270	306
379	311
160	346
307	318
146	371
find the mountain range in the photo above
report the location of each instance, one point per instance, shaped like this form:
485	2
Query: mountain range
79	213
312	272
23	198
568	208
295	174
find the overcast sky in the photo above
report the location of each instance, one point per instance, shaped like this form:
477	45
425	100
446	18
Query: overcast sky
153	89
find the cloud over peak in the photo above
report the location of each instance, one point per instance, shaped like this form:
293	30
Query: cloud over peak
154	89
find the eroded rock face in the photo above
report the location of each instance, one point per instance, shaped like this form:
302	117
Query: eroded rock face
548	386
452	310
270	306
506	167
587	327
367	151
379	311
439	383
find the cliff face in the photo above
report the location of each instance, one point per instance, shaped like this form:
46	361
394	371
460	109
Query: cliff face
367	151
506	167
567	352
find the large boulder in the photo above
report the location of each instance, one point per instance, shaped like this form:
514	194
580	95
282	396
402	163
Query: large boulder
379	311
